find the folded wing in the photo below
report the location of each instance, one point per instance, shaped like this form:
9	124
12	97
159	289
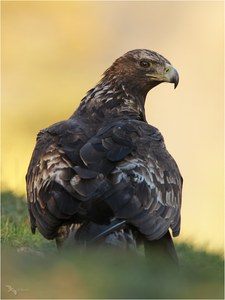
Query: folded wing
122	172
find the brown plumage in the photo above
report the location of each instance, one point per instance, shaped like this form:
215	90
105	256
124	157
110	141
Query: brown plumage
105	174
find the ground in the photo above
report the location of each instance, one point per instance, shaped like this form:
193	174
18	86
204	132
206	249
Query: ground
33	268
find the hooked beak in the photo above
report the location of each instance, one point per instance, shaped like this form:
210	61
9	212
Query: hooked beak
169	74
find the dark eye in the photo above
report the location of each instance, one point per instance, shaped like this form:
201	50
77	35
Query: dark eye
145	64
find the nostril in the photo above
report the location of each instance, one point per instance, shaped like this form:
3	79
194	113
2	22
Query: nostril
167	70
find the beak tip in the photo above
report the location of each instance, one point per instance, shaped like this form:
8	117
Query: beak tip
176	80
171	76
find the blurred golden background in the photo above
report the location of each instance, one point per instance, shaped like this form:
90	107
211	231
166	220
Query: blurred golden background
53	52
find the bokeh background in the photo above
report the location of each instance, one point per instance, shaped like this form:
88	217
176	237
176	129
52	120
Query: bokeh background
53	52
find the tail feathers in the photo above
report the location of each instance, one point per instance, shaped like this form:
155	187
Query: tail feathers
122	239
116	234
162	249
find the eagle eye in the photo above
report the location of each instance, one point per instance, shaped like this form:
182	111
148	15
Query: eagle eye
145	64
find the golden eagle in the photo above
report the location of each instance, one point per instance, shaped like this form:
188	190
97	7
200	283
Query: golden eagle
104	175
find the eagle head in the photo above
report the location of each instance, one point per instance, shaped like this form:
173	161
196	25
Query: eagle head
142	69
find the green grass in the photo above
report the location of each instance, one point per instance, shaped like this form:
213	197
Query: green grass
15	225
32	268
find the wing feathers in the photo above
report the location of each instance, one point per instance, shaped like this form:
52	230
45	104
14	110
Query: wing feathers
123	172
